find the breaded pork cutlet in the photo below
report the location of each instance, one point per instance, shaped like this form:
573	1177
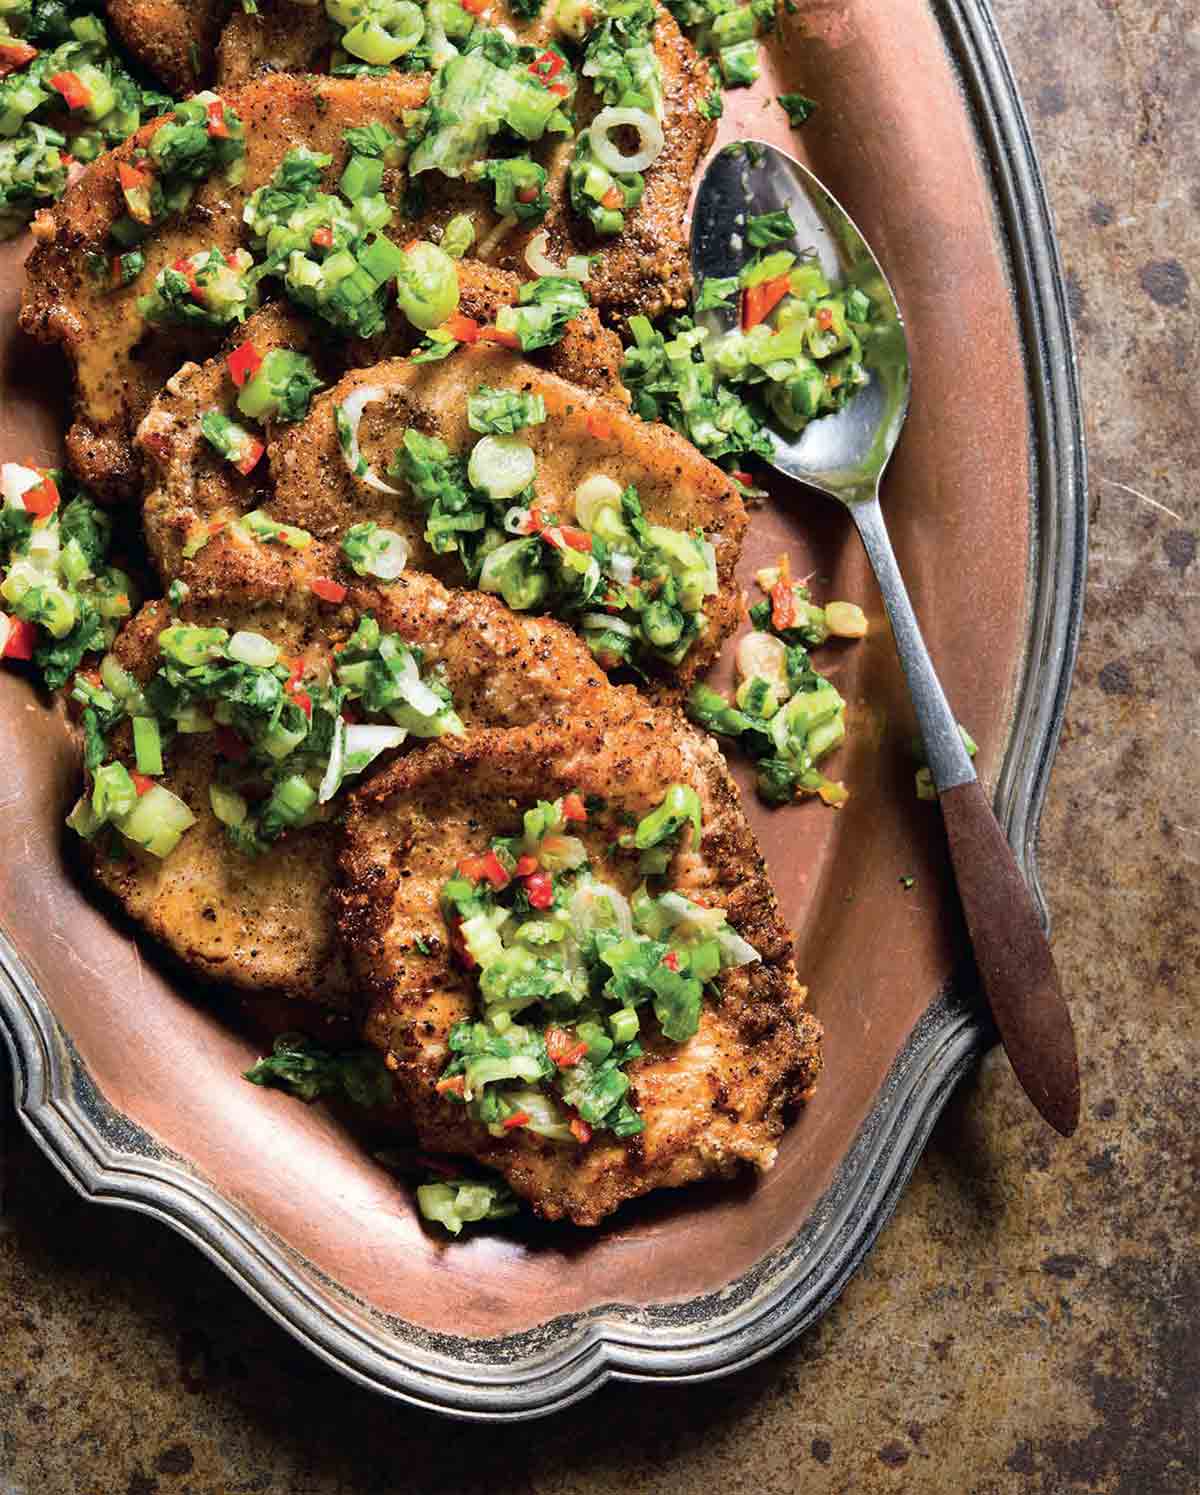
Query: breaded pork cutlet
711	1103
583	435
119	361
176	40
188	485
646	267
642	269
288	37
263	922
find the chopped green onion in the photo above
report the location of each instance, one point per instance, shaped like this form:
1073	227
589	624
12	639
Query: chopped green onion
147	745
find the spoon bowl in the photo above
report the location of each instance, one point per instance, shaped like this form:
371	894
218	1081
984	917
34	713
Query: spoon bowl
844	455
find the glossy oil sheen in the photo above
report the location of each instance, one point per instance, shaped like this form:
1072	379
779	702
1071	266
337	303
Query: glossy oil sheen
132	1081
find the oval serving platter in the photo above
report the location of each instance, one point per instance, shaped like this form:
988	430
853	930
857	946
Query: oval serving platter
131	1082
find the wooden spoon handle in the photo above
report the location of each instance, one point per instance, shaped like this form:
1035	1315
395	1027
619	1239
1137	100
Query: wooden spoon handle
1013	957
1011	949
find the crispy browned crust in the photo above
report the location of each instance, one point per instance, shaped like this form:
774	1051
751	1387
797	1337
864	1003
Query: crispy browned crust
188	485
173	39
119	365
264	924
646	268
678	487
284	37
710	1105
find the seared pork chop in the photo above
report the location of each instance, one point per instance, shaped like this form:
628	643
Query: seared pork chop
711	1103
584	434
643	269
119	362
188	484
264	922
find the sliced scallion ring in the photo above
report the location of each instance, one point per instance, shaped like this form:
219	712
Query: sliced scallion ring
502	466
577	267
252	649
348	417
649	131
332	780
609	624
735	951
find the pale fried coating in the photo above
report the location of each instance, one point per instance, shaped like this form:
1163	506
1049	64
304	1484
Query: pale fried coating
711	1104
173	39
265	923
120	363
583	434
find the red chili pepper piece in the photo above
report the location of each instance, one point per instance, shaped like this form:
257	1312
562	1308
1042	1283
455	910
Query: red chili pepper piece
518	1118
243	363
217	128
574	807
322	238
745	478
759	301
560	89
75	92
22	636
783	605
251	456
825	318
671	960
580	1130
563	1048
462	329
613	200
525	865
186	268
474	7
576	539
539	889
142	783
527	194
42	500
329	591
14	55
131	176
548	66
451	1085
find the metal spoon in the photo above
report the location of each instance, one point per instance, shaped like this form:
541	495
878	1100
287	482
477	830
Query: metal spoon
844	456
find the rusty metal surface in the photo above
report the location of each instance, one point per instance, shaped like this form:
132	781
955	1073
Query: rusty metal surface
1028	1321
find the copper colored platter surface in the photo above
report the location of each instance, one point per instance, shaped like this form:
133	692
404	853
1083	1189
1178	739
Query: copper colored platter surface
131	1081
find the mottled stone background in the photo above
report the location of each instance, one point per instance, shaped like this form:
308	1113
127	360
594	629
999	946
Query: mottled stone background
1030	1320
